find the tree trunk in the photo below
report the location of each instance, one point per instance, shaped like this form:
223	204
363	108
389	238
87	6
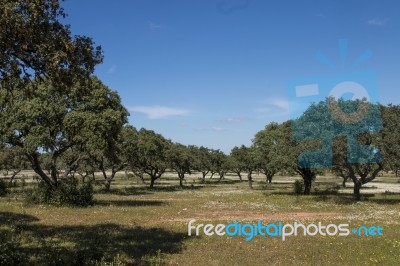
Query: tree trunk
356	191
250	180
13	176
269	178
240	176
152	179
203	179
307	185
107	185
181	179
344	181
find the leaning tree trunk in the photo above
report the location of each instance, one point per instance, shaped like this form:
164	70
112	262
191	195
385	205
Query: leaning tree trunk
240	176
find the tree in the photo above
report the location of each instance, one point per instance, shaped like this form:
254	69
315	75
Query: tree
180	159
219	163
152	149
269	147
351	137
201	160
12	160
238	163
391	137
47	120
249	158
34	44
130	151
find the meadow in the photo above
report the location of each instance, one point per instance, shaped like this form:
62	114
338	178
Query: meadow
135	225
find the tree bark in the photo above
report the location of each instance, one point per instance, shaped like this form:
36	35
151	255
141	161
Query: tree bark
356	191
107	185
269	178
203	179
152	179
250	180
239	175
307	185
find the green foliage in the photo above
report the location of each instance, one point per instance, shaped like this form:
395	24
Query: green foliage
57	122
298	187
69	191
34	43
3	188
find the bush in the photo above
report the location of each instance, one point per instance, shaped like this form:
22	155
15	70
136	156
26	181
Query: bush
3	188
298	187
69	191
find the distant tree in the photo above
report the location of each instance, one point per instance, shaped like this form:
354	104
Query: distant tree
248	158
286	152
269	146
391	137
237	160
180	159
131	152
152	149
47	121
201	160
12	159
219	163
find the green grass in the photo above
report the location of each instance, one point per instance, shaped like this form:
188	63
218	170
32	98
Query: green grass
135	225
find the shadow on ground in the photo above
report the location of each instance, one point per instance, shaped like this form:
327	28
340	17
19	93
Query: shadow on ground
129	203
84	245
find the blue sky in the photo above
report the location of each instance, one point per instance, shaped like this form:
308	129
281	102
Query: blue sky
214	72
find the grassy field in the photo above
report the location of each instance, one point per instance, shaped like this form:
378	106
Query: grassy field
138	226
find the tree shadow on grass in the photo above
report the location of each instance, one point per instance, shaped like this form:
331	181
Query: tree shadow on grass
86	245
14	218
126	191
129	203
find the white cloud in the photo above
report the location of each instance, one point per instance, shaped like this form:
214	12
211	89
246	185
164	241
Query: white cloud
377	22
157	112
112	69
274	107
232	120
155	26
275	104
218	129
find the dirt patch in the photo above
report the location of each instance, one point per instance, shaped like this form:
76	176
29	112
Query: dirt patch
253	216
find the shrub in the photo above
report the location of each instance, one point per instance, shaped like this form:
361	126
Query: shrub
298	187
69	191
3	188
